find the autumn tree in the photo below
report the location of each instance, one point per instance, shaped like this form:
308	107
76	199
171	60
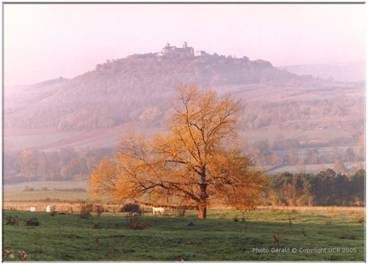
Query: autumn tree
193	165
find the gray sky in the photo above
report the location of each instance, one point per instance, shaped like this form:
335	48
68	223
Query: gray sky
48	41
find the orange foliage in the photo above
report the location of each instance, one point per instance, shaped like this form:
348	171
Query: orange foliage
191	166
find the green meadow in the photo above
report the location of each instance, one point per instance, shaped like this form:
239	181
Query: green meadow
265	234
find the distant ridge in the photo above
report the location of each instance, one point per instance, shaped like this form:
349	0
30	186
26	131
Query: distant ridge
139	80
95	108
349	72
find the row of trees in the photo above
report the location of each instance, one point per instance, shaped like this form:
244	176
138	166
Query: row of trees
322	189
290	152
65	164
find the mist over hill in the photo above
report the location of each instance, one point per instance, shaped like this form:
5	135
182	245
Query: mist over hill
348	72
287	119
132	87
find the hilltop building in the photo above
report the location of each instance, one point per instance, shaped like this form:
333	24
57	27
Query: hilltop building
184	51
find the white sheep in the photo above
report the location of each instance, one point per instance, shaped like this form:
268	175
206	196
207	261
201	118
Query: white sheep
32	209
50	208
158	210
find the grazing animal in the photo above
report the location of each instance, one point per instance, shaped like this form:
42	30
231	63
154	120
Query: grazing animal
32	209
50	208
158	210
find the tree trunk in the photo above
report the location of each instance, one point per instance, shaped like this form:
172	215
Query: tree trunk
202	212
202	206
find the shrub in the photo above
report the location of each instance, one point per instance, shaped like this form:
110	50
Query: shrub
70	190
131	208
180	212
11	220
53	213
133	223
96	226
33	221
86	210
8	254
26	188
348	235
276	239
290	220
22	255
99	209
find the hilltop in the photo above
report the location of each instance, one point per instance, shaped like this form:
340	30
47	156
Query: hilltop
139	80
288	119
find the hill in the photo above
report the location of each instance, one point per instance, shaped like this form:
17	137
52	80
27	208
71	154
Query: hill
287	119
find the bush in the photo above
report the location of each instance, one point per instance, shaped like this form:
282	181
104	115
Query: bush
26	188
99	209
180	212
33	221
133	223
86	210
131	208
96	226
11	220
70	190
22	255
8	254
348	235
53	213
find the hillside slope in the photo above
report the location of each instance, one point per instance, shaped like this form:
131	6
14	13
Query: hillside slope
283	113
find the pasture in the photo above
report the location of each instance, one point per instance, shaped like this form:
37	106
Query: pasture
303	234
46	190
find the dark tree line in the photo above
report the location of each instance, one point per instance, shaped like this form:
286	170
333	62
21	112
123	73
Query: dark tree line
293	189
322	189
292	152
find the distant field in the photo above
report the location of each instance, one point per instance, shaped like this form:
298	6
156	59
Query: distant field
303	235
17	192
313	168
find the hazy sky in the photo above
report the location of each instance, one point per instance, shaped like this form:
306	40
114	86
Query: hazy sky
48	41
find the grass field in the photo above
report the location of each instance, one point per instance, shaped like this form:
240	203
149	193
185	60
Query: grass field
16	192
312	235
